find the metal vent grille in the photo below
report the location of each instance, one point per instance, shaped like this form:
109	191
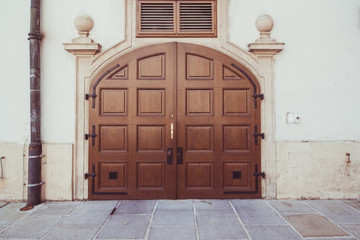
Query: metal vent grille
157	17
196	17
176	18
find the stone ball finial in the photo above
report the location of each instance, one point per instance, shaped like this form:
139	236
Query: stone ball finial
264	23
84	23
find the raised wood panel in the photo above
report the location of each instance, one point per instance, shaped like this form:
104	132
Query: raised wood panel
152	67
150	175
113	101
199	138
151	101
236	175
151	138
199	175
199	67
236	138
199	102
113	175
121	74
113	138
236	101
231	75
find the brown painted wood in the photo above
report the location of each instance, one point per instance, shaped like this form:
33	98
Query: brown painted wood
215	122
211	107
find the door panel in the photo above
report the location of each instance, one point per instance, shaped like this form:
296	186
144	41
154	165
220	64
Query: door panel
215	120
173	121
132	116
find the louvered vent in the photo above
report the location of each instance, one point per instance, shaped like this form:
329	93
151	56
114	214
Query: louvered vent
196	17
176	18
157	17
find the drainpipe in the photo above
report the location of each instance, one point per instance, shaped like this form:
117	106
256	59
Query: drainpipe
35	149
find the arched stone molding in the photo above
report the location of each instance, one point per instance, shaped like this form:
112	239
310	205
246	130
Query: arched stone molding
258	60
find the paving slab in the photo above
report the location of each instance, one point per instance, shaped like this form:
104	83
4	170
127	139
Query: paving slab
333	238
255	212
315	225
11	213
353	229
336	210
220	227
84	222
172	233
136	207
75	232
40	221
174	204
175	217
91	213
128	226
213	207
353	203
289	207
272	232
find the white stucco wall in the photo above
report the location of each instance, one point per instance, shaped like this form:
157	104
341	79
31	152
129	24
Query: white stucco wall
317	75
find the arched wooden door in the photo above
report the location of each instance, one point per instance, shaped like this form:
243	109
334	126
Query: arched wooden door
174	120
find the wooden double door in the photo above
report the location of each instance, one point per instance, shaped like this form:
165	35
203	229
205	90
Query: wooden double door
174	120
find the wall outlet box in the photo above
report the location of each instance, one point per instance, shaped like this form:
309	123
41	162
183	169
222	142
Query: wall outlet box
293	118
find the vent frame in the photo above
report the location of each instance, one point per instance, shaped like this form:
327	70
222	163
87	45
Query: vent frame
181	25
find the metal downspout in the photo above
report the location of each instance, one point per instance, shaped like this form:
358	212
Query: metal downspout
35	148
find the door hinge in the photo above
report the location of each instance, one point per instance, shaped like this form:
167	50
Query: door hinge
93	96
257	173
93	174
256	134
262	174
87	175
92	135
261	96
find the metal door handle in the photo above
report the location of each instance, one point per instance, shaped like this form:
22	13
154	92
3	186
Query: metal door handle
171	131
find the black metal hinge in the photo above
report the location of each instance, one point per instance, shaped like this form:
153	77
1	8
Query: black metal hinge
93	174
256	134
262	174
261	96
257	174
255	96
92	135
93	96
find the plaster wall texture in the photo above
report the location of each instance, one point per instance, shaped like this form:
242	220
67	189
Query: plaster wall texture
317	73
316	76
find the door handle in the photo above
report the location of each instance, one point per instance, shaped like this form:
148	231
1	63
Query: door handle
169	156
179	156
172	131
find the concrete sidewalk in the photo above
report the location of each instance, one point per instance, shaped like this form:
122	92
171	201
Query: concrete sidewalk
184	219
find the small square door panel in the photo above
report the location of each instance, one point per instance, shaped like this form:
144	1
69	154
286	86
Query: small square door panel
151	138
237	138
113	102
113	138
150	175
199	138
199	175
236	175
113	175
236	101
151	102
199	102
